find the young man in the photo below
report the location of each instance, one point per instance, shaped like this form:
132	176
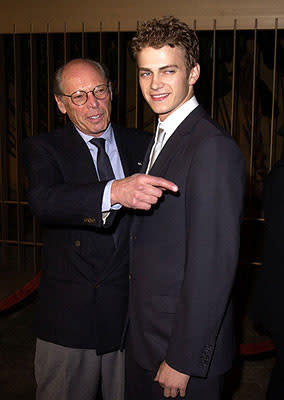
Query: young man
184	255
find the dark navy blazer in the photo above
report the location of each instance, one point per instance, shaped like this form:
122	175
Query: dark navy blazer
84	287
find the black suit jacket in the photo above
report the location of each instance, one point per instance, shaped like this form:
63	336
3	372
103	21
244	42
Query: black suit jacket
184	253
84	287
267	299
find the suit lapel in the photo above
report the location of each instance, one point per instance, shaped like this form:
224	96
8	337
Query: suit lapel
147	155
78	154
170	149
121	146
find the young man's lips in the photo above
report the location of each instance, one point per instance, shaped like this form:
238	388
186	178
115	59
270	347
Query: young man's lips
159	97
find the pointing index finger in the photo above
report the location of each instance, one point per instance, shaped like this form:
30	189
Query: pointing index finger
163	184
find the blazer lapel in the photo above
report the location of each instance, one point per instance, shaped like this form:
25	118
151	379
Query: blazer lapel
121	146
81	162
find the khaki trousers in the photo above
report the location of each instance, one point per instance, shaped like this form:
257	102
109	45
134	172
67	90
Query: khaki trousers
64	373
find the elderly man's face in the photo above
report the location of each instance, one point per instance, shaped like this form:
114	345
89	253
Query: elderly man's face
93	117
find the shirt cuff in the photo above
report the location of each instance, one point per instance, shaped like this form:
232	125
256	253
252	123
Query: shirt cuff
106	203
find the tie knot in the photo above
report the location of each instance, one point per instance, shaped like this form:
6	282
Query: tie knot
99	143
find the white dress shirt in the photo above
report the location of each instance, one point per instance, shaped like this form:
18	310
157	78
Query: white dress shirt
112	152
170	124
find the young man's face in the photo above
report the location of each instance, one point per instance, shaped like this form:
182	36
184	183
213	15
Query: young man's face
163	78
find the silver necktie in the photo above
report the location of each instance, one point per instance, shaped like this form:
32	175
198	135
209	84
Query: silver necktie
157	146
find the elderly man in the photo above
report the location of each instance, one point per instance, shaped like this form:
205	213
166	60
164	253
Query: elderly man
184	255
84	288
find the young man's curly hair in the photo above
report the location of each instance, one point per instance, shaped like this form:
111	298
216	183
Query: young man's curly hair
167	31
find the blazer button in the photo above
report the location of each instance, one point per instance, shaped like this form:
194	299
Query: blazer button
89	220
77	243
130	277
97	285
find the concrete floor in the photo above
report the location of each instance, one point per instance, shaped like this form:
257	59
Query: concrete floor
247	381
17	344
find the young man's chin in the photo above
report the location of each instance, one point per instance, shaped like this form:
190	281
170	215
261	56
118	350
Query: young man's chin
160	109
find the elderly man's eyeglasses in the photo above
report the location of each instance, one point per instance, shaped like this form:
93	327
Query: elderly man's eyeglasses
80	97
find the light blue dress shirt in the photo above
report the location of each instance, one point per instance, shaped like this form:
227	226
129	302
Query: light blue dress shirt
112	152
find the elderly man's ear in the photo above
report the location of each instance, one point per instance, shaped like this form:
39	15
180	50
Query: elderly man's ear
60	103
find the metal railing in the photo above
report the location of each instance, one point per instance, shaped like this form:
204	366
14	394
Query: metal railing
241	86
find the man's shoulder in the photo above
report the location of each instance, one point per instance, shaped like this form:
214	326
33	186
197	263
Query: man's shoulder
48	137
205	135
210	126
203	127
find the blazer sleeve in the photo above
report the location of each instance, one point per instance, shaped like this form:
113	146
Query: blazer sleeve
53	200
214	199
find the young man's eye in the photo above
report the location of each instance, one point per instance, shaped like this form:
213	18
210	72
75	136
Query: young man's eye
144	74
170	71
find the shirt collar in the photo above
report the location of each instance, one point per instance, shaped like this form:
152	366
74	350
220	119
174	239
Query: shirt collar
171	123
107	135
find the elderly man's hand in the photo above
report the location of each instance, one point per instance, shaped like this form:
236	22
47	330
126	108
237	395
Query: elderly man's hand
172	381
140	191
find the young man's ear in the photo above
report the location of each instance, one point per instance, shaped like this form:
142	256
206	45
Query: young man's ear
60	103
194	74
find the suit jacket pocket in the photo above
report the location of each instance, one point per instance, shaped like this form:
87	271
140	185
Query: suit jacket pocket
158	326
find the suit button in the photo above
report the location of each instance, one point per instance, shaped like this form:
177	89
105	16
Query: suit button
77	243
97	285
130	277
133	237
89	220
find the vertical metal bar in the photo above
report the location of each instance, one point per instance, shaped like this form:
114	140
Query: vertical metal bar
65	57
3	152
32	105
65	43
118	73
136	92
18	136
33	79
34	126
101	42
213	69
83	39
273	95
252	134
48	77
49	58
32	102
86	45
233	78
194	25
